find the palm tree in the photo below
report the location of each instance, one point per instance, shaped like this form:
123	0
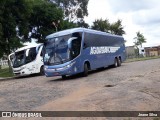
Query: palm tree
139	40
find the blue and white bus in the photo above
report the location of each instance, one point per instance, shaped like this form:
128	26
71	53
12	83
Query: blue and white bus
80	50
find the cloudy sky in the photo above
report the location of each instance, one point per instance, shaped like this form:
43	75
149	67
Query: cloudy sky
136	15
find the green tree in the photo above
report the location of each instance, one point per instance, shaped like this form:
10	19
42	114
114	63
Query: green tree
102	25
83	24
105	26
45	19
12	16
117	28
139	40
65	24
21	20
1	42
74	10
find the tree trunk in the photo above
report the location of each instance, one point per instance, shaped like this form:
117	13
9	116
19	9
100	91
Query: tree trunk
8	53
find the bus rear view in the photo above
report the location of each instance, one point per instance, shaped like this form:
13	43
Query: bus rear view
79	50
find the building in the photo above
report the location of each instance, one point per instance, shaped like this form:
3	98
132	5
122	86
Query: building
152	51
130	51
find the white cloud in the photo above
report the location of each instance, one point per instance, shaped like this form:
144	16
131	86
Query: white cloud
147	17
136	15
130	5
97	10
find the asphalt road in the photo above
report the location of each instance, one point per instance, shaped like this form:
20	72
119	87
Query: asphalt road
134	86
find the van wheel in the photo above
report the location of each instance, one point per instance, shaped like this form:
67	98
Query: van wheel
115	63
119	62
42	70
64	76
85	72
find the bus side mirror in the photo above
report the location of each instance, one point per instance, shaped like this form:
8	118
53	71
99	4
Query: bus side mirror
11	58
70	42
27	52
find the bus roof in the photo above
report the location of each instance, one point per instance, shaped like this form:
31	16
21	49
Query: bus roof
70	31
28	46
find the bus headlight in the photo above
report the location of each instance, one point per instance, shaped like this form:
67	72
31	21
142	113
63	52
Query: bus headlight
59	69
23	67
67	66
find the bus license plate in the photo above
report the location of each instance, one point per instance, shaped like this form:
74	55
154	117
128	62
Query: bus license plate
56	73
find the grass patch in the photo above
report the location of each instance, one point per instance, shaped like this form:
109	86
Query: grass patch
156	118
6	73
142	59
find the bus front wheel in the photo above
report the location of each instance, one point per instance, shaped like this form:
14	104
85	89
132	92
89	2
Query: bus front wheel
42	70
119	62
85	72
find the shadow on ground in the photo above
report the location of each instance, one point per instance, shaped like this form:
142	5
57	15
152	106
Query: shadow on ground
80	75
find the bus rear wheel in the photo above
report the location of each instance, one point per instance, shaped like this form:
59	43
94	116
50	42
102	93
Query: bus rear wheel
115	62
64	76
86	69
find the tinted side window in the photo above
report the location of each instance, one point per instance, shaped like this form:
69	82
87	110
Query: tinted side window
102	40
31	55
41	54
76	44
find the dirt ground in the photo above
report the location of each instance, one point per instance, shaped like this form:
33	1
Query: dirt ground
134	86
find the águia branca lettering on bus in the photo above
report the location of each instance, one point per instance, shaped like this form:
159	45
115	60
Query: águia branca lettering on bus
102	50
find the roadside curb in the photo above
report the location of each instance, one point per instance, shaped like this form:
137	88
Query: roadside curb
137	60
7	78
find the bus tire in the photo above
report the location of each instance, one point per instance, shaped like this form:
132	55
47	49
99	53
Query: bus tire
42	70
115	63
85	72
64	76
119	62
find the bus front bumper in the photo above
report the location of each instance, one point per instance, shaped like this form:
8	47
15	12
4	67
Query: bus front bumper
69	69
22	71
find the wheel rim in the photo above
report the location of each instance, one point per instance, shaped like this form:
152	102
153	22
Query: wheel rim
116	63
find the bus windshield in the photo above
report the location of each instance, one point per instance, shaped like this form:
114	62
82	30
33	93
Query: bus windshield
21	58
59	50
